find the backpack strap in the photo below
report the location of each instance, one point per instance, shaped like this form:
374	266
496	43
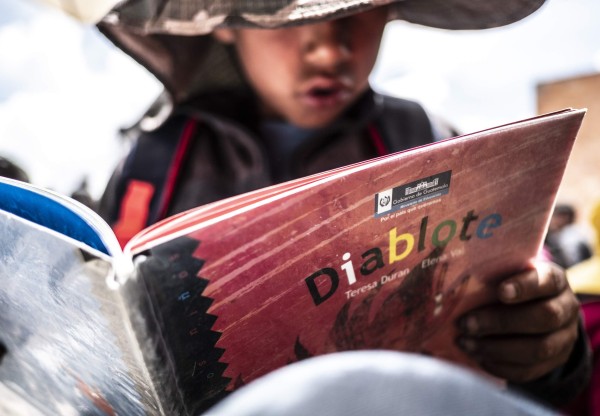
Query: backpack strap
149	176
175	168
400	124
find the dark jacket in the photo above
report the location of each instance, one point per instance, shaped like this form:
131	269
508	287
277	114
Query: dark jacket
197	157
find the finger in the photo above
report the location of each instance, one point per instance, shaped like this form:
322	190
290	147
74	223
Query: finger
545	280
522	359
537	317
522	350
517	373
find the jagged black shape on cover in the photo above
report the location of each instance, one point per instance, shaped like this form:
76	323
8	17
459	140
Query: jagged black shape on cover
186	341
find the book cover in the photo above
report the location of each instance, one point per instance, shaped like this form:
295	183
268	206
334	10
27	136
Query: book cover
385	254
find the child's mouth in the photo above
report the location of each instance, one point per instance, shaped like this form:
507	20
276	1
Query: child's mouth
326	96
322	92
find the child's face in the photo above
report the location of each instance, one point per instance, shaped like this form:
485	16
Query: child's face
308	75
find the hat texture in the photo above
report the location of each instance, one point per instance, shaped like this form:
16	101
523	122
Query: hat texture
194	17
168	36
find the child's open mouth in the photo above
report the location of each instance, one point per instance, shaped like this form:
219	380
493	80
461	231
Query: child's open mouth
323	92
331	95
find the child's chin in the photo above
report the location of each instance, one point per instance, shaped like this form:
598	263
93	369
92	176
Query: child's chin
316	120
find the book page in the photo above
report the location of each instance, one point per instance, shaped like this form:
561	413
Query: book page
384	255
59	213
67	347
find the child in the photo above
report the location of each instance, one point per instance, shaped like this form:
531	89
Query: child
280	90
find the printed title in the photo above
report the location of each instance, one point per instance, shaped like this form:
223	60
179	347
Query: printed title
323	283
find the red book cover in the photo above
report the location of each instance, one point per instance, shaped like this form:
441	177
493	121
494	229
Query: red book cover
385	254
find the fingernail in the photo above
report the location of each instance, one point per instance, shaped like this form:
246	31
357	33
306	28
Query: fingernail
509	291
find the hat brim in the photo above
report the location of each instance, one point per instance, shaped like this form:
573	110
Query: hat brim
168	37
197	17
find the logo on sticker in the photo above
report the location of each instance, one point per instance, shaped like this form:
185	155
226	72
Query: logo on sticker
383	201
412	193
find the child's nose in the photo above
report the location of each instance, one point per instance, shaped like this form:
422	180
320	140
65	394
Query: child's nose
327	44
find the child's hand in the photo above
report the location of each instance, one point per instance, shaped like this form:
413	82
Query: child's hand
530	332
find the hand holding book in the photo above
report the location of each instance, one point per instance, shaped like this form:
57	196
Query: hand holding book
530	332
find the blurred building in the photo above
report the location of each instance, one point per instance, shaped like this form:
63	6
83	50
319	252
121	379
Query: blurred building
581	184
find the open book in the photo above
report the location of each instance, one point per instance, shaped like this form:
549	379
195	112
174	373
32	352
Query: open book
382	254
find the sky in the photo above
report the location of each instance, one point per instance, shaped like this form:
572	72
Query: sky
65	91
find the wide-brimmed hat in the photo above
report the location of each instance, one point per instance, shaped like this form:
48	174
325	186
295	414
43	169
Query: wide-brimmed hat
168	36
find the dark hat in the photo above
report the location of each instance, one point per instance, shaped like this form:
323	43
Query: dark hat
166	36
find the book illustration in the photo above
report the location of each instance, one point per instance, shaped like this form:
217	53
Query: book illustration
418	306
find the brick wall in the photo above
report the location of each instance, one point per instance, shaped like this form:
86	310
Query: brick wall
581	184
